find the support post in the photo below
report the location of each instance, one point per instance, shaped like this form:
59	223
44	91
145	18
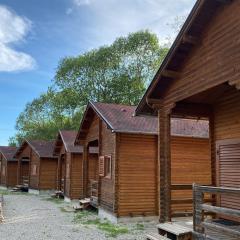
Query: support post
164	158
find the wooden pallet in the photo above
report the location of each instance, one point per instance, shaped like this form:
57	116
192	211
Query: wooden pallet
174	231
155	236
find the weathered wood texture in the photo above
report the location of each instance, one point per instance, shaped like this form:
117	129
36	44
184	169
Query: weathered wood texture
3	169
215	58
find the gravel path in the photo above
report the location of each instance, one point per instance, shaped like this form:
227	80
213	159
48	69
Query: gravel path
29	217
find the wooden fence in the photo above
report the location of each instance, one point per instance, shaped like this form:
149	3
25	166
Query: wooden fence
215	222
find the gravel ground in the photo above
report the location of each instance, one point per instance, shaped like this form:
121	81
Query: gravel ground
29	217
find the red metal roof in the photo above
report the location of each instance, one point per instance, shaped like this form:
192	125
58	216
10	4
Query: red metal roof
121	118
8	152
42	148
68	138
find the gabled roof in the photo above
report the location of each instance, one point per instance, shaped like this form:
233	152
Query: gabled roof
67	138
188	37
121	118
44	149
8	152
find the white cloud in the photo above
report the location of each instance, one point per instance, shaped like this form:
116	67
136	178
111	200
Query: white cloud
82	2
113	18
13	30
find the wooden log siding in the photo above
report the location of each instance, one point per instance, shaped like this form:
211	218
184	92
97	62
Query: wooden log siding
34	171
191	162
212	62
48	174
107	185
12	174
137	171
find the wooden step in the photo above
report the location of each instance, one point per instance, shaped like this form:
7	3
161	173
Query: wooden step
175	230
84	201
155	236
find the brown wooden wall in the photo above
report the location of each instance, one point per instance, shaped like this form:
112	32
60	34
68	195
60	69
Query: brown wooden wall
76	176
3	171
227	128
137	175
214	59
68	175
12	167
48	174
107	147
191	163
24	170
34	176
227	116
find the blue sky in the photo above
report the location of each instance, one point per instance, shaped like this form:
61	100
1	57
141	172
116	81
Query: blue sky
35	35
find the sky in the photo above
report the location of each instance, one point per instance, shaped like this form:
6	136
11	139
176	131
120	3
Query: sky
35	35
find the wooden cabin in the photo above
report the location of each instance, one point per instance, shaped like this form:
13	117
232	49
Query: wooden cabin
122	177
200	78
8	167
70	165
37	166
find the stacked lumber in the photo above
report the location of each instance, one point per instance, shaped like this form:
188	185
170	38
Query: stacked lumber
1	209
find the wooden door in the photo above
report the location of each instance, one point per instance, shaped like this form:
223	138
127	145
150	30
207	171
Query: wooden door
228	170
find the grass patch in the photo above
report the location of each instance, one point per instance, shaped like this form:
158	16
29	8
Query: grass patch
8	192
54	200
81	216
139	227
112	230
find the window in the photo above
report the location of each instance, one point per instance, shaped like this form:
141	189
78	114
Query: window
68	170
4	171
105	166
34	170
108	166
101	166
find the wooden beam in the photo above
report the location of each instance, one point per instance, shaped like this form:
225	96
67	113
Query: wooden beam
164	160
170	74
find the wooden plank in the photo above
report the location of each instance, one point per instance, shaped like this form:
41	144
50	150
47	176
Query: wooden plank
221	210
155	236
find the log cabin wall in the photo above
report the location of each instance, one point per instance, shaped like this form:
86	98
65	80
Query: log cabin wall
191	163
214	60
12	173
76	176
48	174
23	166
227	116
137	175
67	175
3	171
107	148
34	170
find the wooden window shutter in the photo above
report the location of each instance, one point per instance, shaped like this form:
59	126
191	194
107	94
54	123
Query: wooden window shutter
108	166
102	166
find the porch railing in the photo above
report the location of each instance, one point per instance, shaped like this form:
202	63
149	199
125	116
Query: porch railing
215	222
94	193
183	206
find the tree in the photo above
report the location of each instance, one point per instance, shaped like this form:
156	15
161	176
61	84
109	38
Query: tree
118	73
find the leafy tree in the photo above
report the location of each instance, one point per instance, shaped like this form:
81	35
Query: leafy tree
118	73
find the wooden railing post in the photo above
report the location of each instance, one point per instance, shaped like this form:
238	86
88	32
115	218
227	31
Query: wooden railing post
198	215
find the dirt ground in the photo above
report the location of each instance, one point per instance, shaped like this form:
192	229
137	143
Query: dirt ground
29	217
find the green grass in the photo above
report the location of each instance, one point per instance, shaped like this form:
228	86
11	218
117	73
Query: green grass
139	227
7	192
89	218
112	230
81	217
54	200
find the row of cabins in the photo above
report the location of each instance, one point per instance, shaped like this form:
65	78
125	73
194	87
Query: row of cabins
113	160
131	172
